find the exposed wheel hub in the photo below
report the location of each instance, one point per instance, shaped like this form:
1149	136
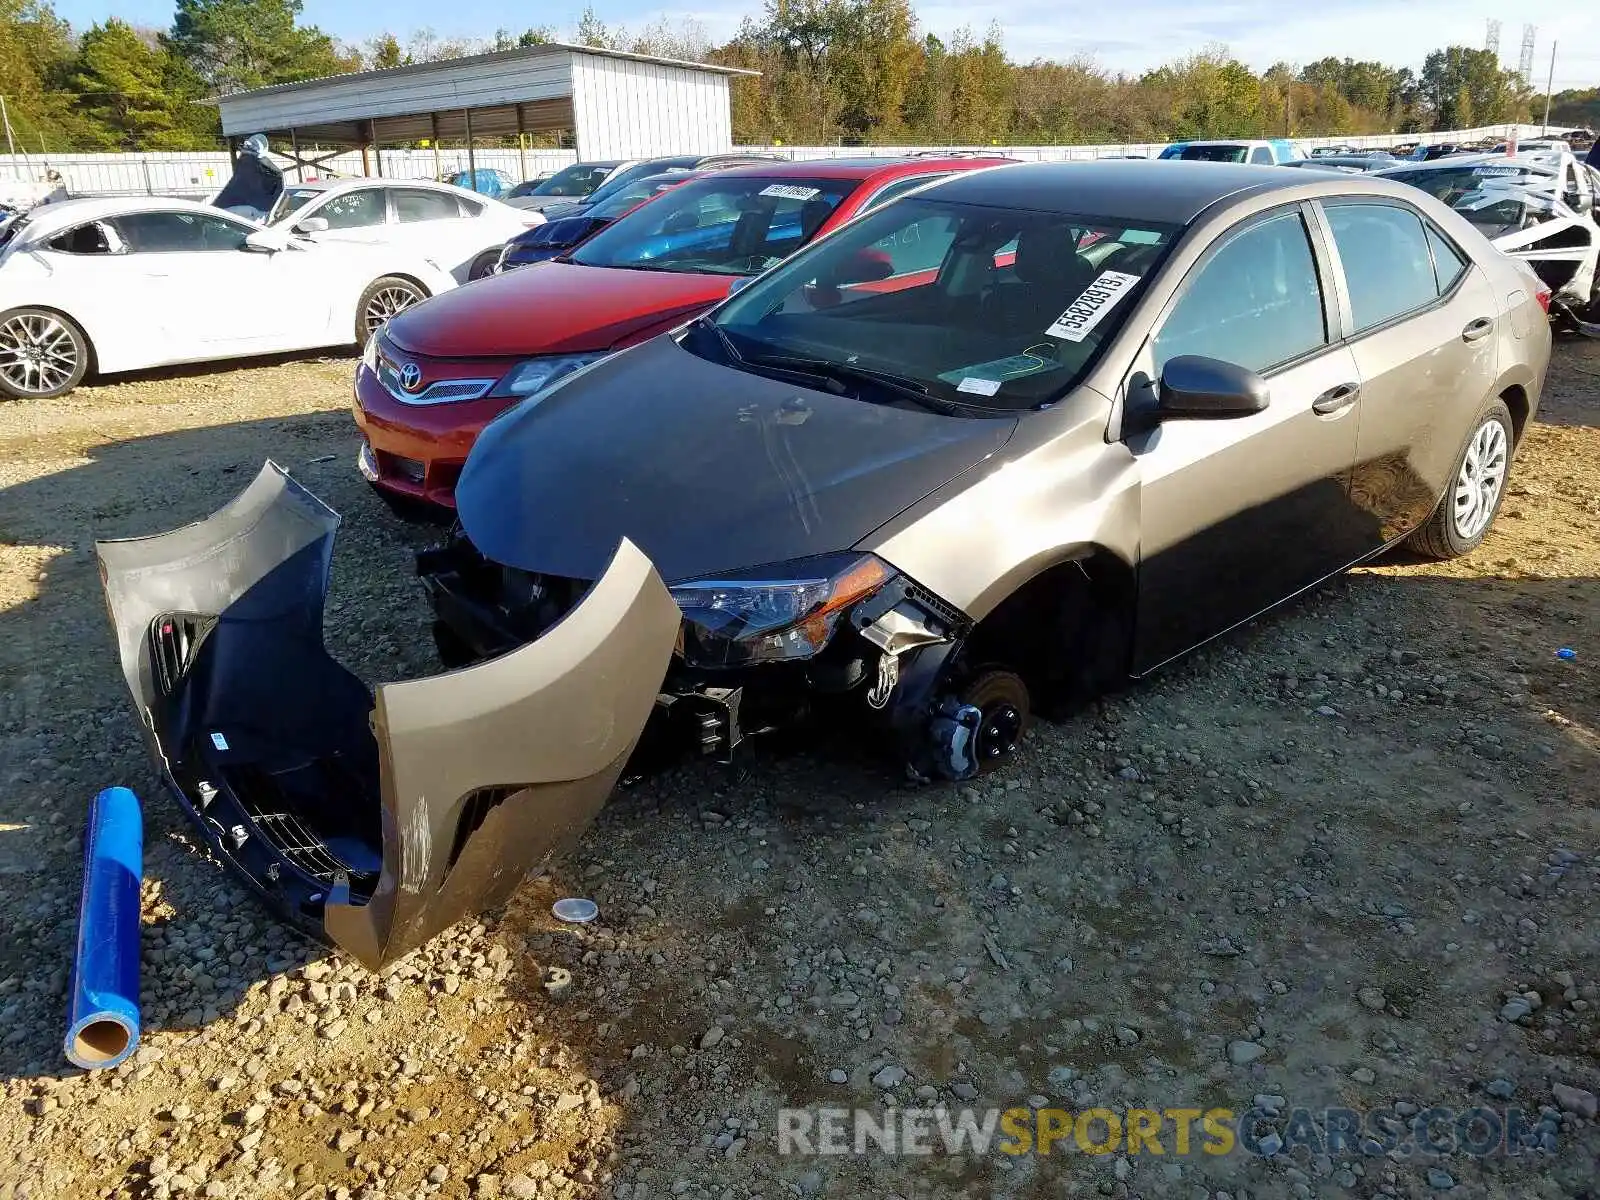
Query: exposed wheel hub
999	732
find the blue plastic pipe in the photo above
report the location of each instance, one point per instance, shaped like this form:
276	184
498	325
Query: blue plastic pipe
103	1013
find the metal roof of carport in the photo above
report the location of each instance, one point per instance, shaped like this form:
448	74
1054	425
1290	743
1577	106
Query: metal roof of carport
617	104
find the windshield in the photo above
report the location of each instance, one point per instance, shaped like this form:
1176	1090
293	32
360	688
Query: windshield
292	200
991	308
625	198
1491	197
719	226
1451	183
631	178
577	180
1234	154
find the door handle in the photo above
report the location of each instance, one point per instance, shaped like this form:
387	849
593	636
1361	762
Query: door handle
1477	329
1336	399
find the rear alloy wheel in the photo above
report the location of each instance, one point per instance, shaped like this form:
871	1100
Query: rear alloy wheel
386	298
1002	698
42	354
1477	487
483	265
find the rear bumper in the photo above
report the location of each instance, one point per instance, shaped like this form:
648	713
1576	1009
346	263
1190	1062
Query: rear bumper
417	451
374	819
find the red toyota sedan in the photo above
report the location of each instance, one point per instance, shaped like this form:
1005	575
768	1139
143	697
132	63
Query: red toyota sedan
435	375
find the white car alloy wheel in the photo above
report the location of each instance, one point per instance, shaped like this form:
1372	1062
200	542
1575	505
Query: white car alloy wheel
41	355
385	299
1482	476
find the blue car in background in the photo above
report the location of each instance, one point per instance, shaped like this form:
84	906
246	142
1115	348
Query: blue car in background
486	181
1270	152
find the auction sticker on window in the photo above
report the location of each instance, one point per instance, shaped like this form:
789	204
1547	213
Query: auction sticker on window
791	191
1087	311
1497	172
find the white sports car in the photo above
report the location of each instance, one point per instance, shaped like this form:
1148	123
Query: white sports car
122	284
461	229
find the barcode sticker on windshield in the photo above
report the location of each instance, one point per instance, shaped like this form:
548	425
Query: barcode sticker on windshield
1084	313
1496	172
220	742
982	387
790	191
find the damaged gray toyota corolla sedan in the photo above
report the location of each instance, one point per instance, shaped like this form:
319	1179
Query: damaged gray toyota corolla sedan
1094	415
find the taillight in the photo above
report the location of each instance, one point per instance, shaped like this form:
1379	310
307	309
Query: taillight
1542	295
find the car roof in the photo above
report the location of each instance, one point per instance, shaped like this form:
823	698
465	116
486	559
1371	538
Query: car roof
1169	191
46	220
859	168
350	181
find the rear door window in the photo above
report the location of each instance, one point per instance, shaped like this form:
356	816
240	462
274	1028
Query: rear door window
1261	155
1388	269
417	204
1256	302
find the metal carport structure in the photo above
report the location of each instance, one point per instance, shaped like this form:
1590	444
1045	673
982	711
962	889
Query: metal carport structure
617	104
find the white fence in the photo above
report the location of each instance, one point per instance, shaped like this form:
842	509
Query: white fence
200	174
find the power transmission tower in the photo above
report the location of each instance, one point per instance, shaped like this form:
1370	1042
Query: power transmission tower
1525	62
1492	42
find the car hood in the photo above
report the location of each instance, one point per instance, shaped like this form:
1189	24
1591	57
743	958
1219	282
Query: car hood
569	230
704	467
551	308
570	208
536	203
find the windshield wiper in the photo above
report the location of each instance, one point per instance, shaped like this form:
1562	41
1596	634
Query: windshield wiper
728	347
825	368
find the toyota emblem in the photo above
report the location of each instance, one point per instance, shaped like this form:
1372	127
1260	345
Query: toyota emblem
411	377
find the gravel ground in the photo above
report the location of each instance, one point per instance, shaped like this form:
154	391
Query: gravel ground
1349	856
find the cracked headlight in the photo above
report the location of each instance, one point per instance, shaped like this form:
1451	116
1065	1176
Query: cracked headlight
536	374
784	611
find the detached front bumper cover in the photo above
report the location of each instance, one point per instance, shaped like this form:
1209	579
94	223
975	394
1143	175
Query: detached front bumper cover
374	820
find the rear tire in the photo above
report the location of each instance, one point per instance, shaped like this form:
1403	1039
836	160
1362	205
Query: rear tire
384	298
1477	486
483	265
43	354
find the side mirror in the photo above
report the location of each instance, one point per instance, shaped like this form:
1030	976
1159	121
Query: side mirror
865	266
266	241
1196	387
312	225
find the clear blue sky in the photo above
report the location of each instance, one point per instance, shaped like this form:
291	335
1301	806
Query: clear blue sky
1144	33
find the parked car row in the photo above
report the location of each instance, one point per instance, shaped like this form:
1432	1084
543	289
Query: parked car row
428	385
928	445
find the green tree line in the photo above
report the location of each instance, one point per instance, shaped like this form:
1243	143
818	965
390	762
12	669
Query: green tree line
832	72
